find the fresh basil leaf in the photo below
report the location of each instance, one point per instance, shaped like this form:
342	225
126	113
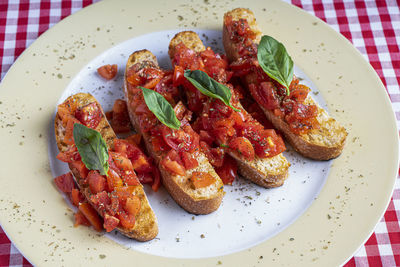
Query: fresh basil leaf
92	148
161	108
275	61
209	87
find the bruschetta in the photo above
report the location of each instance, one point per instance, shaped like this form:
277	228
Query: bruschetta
306	126
111	187
226	127
185	171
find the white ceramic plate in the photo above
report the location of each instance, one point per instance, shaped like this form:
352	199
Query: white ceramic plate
253	225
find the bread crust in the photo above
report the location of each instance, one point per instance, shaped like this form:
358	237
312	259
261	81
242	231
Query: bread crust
266	172
196	201
324	143
146	226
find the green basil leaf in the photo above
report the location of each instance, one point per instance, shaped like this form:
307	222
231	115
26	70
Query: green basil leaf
92	148
209	87
161	108
275	61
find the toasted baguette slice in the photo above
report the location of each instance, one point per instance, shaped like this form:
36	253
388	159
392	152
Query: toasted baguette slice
324	143
197	201
266	172
146	227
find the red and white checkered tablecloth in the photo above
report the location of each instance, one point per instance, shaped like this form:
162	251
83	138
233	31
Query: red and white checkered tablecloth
372	26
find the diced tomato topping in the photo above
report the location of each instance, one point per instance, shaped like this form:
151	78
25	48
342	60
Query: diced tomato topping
134	139
127	220
76	197
134	79
145	177
89	115
178	78
139	161
92	216
269	97
182	112
113	180
124	192
110	222
108	72
187	58
151	83
214	155
65	182
184	139
132	205
228	171
188	161
80	219
202	179
206	137
69	155
242	146
101	201
69	134
81	168
173	166
65	113
114	206
130	178
157	180
122	162
299	93
97	183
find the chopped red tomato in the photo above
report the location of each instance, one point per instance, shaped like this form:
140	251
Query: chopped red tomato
65	113
132	205
69	135
130	178
269	97
113	180
80	219
180	140
206	137
178	77
202	179
92	216
69	155
97	183
228	171
101	201
139	161
134	139
108	72
81	168
214	155
76	197
89	115
157	180
110	222
173	166
122	162
127	220
65	182
124	192
299	93
242	146
188	161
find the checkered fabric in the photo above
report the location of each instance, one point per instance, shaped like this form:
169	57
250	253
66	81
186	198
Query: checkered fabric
372	26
